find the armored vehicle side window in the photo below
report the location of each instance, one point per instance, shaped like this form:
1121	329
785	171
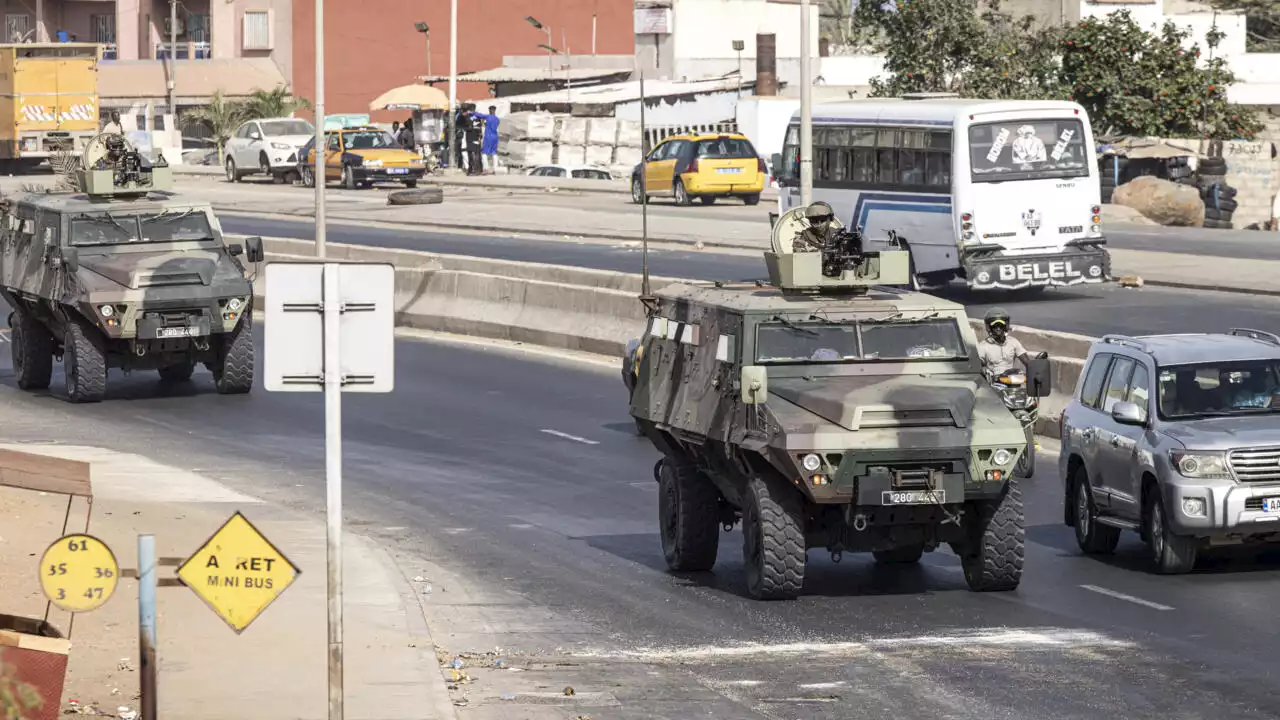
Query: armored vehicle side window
1092	387
894	341
1118	385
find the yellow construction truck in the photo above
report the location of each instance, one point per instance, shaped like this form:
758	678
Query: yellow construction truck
48	100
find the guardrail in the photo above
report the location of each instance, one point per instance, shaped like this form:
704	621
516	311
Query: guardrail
579	309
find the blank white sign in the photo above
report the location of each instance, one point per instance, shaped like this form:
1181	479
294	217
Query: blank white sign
294	353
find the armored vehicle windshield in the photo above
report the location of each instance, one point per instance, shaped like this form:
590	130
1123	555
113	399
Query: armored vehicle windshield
127	226
781	341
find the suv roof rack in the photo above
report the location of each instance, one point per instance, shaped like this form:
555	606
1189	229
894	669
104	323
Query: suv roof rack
1262	335
1126	340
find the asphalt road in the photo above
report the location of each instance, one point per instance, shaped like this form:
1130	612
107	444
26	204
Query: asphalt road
1089	311
524	474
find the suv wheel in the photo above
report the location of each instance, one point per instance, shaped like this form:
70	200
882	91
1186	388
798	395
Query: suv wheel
688	513
233	373
32	348
84	363
773	542
992	556
1172	554
1093	538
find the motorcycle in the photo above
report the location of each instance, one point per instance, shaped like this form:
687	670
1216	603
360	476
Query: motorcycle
1012	387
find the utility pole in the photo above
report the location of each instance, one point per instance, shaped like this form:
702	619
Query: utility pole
318	172
806	107
452	140
173	47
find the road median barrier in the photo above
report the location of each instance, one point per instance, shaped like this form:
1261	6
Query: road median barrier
578	309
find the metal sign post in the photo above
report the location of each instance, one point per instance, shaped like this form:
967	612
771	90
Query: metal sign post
806	108
318	170
330	327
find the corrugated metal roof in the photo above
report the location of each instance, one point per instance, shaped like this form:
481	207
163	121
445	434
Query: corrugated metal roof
509	74
144	79
614	93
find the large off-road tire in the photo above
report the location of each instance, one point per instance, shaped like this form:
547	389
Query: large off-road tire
32	348
992	557
1092	537
178	372
233	373
84	362
1171	554
773	542
903	555
688	517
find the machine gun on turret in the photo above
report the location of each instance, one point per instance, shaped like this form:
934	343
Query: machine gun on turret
838	263
113	167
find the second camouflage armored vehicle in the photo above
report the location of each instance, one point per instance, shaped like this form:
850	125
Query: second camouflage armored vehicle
825	410
122	274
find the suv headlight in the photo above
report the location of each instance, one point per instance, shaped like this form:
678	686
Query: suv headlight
1201	465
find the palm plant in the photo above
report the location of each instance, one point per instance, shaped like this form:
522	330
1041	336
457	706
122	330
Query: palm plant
274	103
221	117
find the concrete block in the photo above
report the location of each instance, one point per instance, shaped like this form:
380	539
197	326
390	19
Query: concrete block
570	154
598	155
602	131
630	135
573	131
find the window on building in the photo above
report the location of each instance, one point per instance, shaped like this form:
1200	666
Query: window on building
102	29
257	30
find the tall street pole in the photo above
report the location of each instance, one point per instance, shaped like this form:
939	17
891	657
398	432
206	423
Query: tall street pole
173	47
318	171
806	108
452	140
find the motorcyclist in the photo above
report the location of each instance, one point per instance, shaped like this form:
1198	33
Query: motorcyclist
999	350
820	231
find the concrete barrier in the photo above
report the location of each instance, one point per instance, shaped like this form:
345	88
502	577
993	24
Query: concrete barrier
581	309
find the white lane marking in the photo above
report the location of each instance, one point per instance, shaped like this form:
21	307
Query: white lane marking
1126	598
824	685
567	436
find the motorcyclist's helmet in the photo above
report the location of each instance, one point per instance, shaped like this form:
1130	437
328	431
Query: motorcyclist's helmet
819	212
997	316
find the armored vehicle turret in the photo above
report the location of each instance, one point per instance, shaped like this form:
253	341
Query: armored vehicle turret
122	273
826	409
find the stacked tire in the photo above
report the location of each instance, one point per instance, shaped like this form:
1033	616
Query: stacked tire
1219	198
1111	174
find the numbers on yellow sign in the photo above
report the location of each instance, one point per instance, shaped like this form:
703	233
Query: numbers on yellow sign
79	573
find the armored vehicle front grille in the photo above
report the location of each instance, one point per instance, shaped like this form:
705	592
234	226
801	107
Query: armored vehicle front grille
175	317
1255	464
905	418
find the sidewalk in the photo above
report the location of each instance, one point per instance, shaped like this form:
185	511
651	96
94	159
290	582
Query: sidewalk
276	669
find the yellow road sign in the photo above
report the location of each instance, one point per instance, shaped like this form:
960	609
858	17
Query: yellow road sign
78	573
238	572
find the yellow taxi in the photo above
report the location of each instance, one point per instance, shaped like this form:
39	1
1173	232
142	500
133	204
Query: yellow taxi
703	166
361	156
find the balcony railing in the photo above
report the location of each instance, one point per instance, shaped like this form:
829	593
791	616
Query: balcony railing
185	51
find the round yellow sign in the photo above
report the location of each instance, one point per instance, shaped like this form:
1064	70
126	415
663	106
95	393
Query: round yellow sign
78	573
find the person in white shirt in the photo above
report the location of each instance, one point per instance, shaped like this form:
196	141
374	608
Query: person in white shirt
999	350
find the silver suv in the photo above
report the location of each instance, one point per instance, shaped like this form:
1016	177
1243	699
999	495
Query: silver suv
1178	438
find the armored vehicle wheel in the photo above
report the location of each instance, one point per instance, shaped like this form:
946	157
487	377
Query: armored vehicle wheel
992	557
688	513
84	363
1092	537
904	555
32	348
773	543
1172	554
178	372
233	373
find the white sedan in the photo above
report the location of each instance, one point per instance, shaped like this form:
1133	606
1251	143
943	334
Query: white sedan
574	171
268	146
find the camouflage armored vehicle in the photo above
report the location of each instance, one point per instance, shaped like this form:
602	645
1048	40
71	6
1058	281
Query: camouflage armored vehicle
826	410
120	273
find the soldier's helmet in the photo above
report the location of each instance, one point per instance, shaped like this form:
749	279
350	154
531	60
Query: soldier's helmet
819	212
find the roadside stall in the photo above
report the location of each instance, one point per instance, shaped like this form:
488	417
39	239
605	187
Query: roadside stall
429	107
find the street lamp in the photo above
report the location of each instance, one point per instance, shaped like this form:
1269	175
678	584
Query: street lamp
426	31
534	22
738	45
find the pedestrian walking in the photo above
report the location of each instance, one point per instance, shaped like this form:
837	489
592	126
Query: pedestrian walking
489	145
473	142
461	121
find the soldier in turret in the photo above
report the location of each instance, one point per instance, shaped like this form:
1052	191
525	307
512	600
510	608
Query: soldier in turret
820	233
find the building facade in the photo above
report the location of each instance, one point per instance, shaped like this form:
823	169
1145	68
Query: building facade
370	49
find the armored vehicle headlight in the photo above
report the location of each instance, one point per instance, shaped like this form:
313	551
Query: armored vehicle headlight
811	462
106	310
234	304
1001	457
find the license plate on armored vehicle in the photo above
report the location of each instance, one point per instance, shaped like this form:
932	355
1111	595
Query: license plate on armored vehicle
1271	504
913	497
173	332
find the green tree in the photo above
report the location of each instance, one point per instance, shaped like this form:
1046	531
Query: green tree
960	46
273	103
1135	82
221	117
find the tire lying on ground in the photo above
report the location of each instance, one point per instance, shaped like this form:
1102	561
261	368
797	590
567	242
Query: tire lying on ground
417	196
